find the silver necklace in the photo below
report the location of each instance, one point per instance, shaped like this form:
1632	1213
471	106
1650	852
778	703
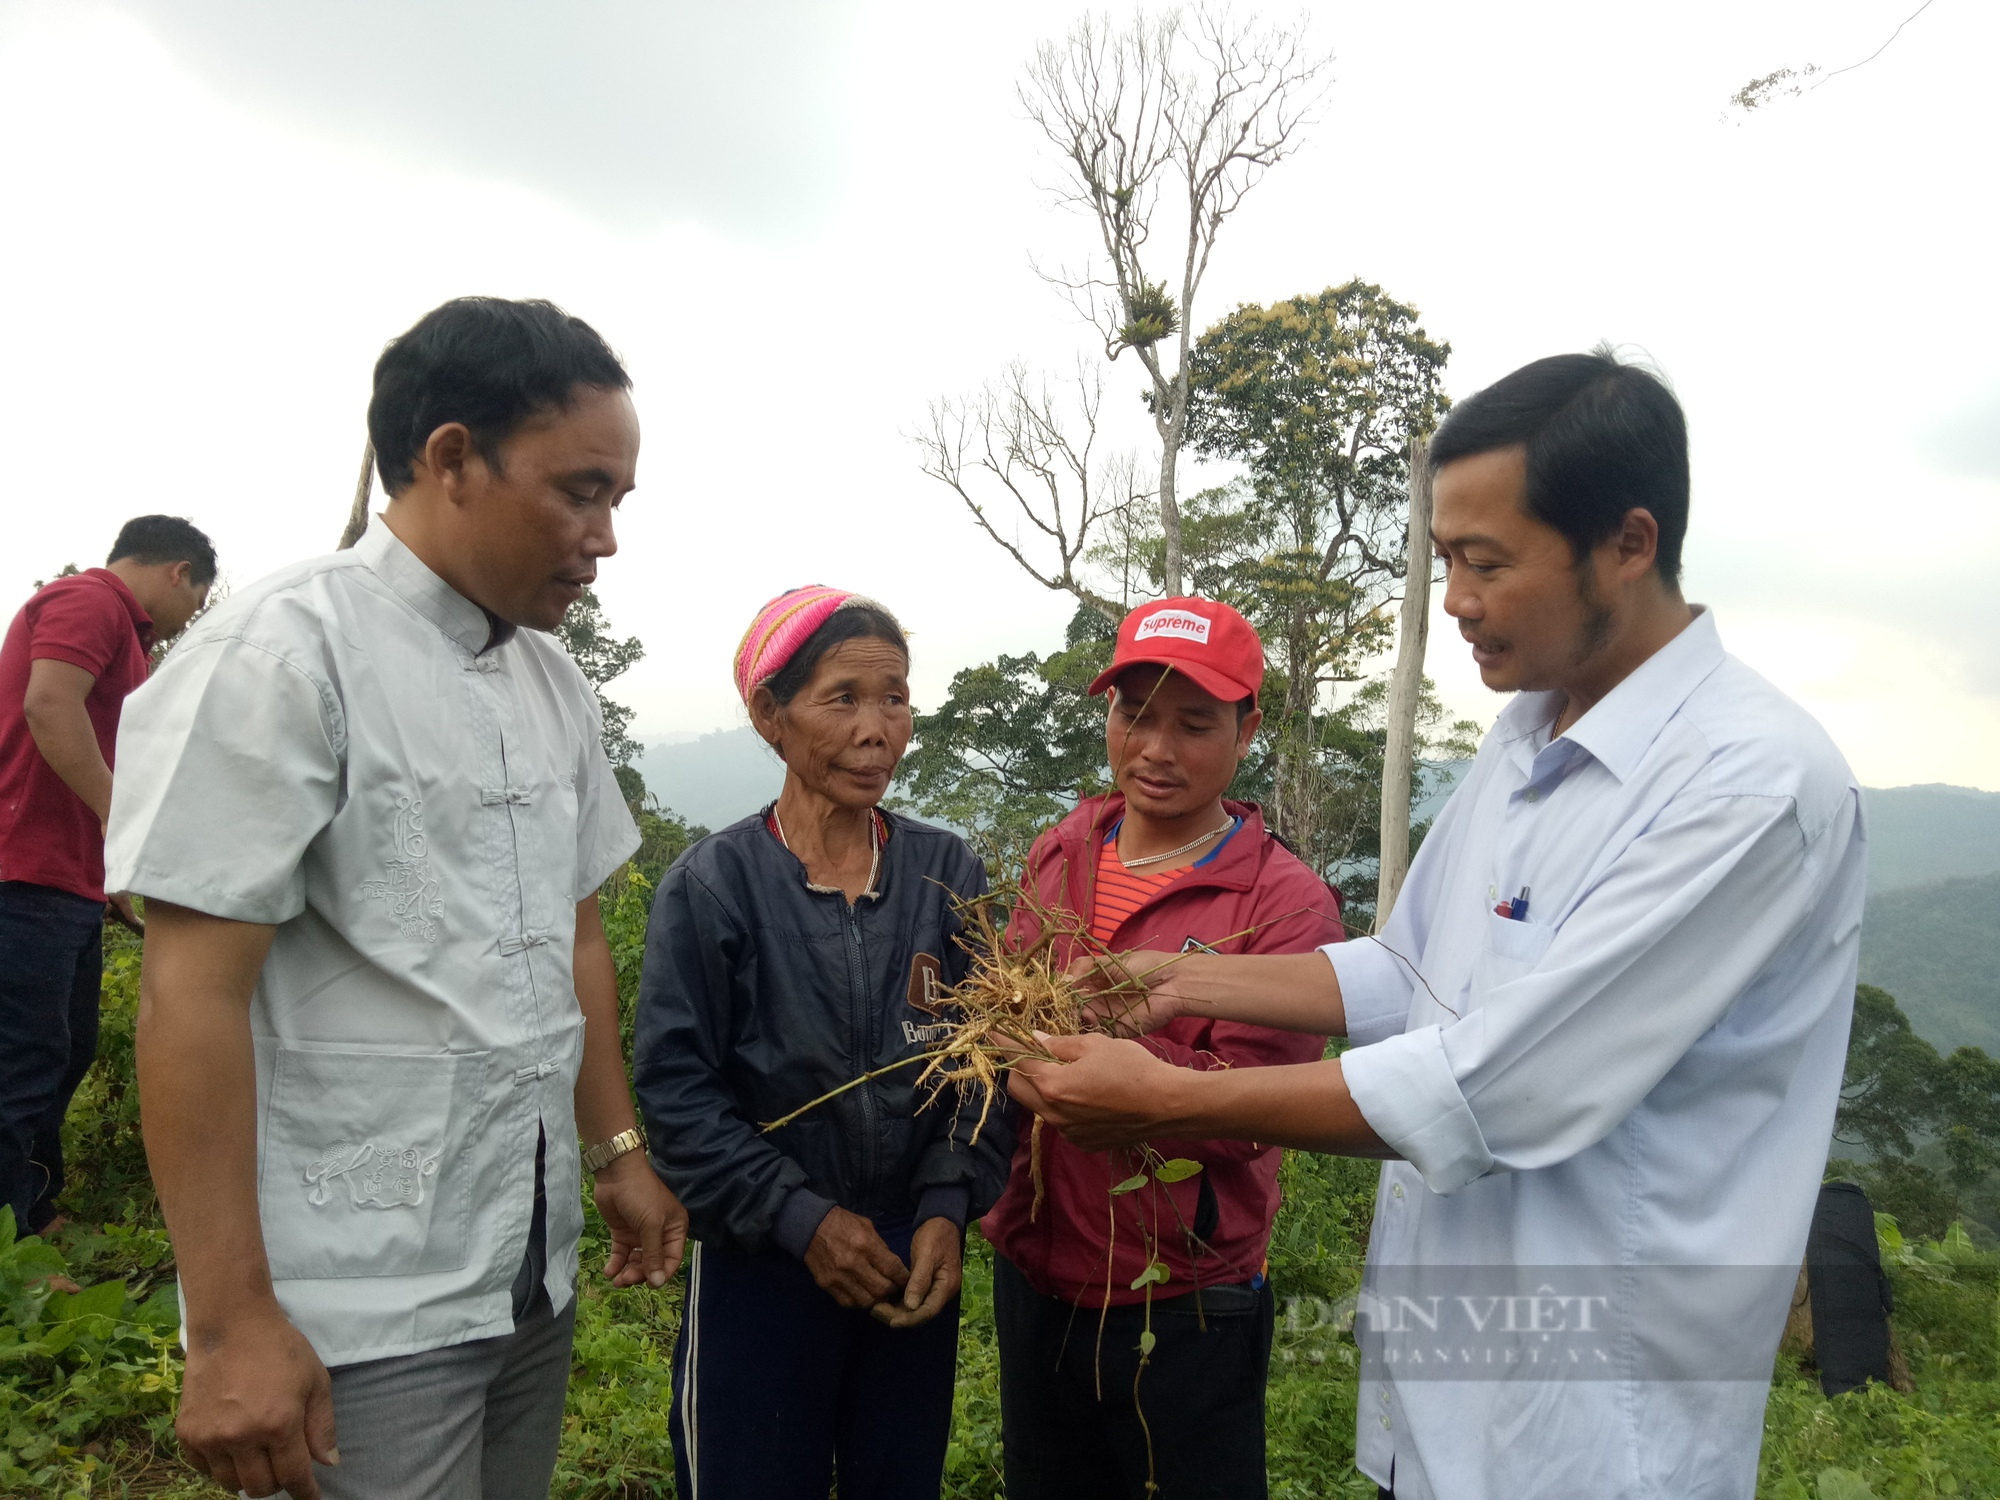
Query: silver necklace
874	850
1154	859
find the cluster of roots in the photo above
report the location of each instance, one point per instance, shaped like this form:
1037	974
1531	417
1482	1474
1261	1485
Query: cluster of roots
1004	1008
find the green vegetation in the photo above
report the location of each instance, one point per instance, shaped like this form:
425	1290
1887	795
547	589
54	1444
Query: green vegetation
601	656
1918	835
1317	398
88	1379
1928	1126
1936	948
1014	744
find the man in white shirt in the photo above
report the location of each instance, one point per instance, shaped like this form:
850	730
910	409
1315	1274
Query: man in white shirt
369	808
1600	1040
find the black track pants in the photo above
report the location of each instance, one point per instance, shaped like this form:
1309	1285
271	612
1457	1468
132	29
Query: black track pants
1202	1395
777	1387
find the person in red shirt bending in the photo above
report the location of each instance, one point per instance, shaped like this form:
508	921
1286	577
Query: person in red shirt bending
76	648
1162	862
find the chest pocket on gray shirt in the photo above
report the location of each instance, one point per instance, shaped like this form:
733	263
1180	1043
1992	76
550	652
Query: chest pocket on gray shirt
363	1170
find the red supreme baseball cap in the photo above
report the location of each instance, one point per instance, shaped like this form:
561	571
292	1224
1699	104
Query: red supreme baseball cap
1214	645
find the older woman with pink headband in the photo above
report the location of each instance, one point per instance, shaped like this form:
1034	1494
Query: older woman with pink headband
788	955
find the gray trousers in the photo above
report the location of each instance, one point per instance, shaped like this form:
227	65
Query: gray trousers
477	1421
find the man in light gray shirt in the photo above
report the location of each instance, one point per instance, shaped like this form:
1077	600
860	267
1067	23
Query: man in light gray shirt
369	809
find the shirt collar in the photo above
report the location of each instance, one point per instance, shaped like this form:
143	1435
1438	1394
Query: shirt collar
1621	727
429	595
142	623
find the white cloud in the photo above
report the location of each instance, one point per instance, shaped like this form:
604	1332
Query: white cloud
202	272
638	112
1967	440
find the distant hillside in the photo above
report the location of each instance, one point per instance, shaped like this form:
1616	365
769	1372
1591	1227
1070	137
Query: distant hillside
1917	835
1931	941
713	780
1921	834
1936	948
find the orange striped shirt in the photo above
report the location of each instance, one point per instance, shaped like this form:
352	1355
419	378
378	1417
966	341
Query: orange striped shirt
1120	891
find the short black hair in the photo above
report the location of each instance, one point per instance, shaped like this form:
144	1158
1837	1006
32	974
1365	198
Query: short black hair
1603	437
484	361
166	539
851	622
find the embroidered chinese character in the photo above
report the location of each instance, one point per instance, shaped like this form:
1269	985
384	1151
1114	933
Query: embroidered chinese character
411	889
377	1176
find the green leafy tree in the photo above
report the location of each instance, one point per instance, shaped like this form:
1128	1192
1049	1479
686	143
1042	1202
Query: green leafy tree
1930	1124
1318	397
664	835
586	635
1017	742
1014	745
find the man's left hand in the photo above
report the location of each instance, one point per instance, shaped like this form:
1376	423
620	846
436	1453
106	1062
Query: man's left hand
1103	1094
648	1226
936	1269
122	911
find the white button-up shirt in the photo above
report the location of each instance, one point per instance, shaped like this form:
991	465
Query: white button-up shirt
352	751
1641	1073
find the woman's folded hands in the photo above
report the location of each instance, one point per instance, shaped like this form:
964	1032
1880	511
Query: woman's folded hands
936	1269
855	1266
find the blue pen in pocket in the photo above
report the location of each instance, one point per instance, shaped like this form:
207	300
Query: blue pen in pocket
1518	907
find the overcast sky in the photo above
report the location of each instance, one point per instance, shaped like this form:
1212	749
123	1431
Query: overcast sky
800	220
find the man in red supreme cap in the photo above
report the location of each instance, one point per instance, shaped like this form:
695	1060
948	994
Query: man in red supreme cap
1164	861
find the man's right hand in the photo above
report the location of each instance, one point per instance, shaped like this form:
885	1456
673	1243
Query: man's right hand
1132	993
257	1407
852	1263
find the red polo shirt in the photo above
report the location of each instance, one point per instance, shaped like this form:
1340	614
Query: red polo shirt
48	835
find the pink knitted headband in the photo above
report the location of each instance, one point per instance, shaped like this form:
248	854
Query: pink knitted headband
781	627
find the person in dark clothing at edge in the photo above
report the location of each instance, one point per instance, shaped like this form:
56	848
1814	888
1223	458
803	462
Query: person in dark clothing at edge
72	654
788	955
1162	862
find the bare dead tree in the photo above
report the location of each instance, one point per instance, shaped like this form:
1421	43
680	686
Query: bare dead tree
1016	444
1169	122
1790	83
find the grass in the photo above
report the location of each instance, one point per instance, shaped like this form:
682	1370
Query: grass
87	1384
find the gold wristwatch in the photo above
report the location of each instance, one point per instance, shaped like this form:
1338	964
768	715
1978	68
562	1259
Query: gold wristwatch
602	1155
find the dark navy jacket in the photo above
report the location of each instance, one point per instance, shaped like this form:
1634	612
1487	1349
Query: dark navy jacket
760	993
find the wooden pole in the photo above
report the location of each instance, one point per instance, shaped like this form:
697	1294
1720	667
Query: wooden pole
357	514
1405	686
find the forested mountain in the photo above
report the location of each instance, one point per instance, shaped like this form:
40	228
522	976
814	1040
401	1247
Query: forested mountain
1936	948
1931	939
714	780
1932	934
1921	834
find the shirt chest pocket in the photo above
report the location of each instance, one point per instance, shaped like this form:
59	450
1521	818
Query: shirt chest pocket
1508	949
365	1171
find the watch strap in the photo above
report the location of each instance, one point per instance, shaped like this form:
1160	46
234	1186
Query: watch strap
604	1153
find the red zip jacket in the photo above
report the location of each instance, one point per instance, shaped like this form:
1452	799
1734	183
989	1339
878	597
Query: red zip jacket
1214	1228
